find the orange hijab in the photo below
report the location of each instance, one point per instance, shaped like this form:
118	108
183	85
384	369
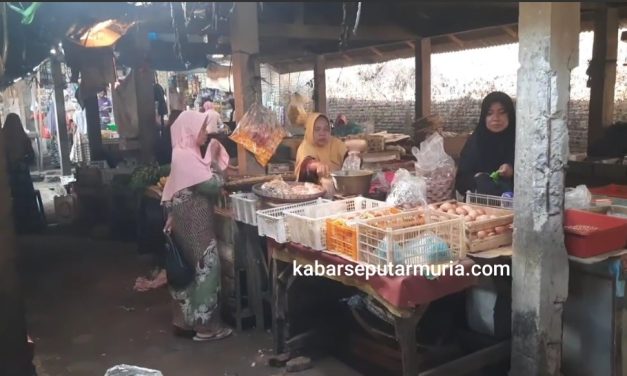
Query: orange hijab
331	154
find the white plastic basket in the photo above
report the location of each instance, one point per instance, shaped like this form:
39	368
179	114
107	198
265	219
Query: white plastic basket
394	239
489	200
245	207
271	222
307	225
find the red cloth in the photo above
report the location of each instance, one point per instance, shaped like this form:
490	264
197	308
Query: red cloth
401	292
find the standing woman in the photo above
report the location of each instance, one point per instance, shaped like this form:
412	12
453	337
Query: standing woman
490	149
20	155
188	197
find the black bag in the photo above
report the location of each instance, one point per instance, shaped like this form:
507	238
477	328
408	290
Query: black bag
179	272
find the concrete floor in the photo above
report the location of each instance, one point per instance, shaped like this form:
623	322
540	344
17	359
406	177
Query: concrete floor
85	317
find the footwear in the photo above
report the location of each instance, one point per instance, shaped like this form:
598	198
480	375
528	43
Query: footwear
221	333
182	332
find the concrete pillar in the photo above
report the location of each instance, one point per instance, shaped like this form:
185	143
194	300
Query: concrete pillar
13	345
63	140
603	72
549	42
320	85
92	115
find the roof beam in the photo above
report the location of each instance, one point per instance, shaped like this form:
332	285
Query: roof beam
456	40
327	32
376	51
509	30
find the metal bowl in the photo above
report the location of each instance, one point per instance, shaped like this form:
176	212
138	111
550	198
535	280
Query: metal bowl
352	182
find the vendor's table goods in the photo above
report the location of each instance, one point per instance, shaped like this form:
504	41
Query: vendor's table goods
342	230
412	238
486	227
245	207
589	234
307	225
352	182
279	191
271	222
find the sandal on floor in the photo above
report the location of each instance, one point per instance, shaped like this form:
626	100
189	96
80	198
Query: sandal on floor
221	333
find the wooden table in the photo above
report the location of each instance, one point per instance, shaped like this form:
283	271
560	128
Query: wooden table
406	298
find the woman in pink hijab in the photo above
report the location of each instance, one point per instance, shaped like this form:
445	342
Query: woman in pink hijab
188	197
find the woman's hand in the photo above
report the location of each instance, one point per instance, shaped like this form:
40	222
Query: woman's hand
506	171
168	224
322	170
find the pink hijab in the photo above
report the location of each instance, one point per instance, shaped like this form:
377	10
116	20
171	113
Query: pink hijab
188	167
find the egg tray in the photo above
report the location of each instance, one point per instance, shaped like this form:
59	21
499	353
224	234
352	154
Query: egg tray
504	218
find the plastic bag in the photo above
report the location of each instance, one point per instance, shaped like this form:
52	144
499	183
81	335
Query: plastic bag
407	191
259	132
296	112
577	198
126	370
352	162
436	167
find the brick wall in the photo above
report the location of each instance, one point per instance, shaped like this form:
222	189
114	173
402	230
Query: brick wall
459	115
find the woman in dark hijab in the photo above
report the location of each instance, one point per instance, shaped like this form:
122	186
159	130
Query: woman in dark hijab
490	149
20	155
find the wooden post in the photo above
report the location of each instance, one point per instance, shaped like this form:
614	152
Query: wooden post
59	104
603	72
422	50
549	42
13	345
320	85
92	115
246	74
144	90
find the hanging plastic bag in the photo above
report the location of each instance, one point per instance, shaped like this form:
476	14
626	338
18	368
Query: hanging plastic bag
296	112
259	132
436	167
408	192
577	198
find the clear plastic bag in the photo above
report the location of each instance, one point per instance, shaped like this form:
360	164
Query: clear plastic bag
352	162
577	198
436	167
259	132
407	191
126	370
296	112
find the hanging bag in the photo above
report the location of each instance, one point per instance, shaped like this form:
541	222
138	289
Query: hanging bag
180	274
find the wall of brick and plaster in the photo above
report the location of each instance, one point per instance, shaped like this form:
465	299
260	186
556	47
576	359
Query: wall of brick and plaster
383	93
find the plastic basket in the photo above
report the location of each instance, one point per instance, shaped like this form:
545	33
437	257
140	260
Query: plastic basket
412	238
342	230
271	222
245	207
489	200
307	225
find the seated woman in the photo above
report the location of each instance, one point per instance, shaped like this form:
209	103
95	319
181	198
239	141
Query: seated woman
189	196
319	154
490	149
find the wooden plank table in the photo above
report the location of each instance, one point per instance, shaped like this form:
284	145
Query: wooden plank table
406	298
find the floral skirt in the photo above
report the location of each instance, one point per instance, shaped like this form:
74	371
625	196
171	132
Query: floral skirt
196	306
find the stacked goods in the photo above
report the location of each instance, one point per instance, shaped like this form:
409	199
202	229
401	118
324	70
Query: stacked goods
486	227
411	238
342	231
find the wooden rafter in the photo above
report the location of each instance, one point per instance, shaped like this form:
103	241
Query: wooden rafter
456	40
326	32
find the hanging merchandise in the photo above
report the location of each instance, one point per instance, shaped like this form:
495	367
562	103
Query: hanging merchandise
125	107
259	132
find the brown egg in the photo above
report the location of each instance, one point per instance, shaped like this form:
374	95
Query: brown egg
480	211
500	229
451	211
445	206
482	217
460	211
481	234
491	233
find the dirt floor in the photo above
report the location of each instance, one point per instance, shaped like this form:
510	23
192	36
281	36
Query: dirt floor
85	317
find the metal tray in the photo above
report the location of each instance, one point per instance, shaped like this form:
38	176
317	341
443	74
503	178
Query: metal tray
286	200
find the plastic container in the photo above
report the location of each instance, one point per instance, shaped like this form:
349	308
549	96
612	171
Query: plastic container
245	207
271	222
342	230
307	225
611	233
412	238
612	190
